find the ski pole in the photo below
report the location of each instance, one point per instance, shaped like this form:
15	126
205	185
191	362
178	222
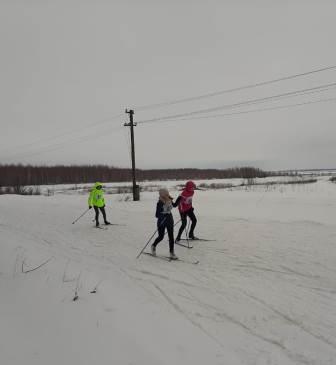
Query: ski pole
177	223
186	232
80	216
150	239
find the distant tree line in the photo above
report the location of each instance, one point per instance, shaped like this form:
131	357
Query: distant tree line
21	175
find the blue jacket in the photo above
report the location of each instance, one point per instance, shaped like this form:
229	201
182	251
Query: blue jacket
163	211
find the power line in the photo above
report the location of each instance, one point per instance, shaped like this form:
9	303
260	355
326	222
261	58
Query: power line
57	146
65	134
249	86
81	139
189	99
178	101
255	110
243	103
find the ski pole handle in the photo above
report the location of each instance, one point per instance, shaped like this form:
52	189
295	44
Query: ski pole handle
80	216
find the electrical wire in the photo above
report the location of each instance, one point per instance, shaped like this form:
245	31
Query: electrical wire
57	146
70	132
65	134
240	88
49	148
289	106
243	103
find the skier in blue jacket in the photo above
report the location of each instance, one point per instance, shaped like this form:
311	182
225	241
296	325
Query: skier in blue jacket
165	221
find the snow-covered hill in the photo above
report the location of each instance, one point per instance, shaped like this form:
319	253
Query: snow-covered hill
264	291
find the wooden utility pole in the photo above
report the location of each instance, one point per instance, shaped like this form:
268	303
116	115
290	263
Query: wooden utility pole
131	124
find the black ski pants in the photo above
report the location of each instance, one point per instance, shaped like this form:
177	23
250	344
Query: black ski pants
190	213
102	209
166	223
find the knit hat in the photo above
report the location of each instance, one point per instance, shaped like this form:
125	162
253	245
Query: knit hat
190	186
164	195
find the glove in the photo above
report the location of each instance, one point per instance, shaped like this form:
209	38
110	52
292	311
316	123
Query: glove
90	207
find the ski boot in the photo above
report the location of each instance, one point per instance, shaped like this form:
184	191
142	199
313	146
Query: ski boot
153	250
172	256
107	223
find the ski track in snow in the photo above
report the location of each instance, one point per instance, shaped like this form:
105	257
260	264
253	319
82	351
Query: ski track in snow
263	292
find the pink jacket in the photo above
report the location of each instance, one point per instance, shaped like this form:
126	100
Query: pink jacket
186	196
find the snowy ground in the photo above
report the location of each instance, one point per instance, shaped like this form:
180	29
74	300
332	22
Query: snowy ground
263	293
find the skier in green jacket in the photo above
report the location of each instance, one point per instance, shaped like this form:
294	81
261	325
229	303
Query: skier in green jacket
97	201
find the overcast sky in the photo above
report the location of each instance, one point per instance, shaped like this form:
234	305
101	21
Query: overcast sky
69	68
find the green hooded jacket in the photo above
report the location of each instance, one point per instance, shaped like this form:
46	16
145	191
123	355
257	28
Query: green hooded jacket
96	197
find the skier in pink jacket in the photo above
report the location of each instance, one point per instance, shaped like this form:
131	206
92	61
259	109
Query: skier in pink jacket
186	209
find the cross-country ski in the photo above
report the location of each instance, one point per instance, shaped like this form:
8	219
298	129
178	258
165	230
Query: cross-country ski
183	245
195	239
167	258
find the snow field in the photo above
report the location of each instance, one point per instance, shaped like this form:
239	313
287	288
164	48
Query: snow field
263	293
